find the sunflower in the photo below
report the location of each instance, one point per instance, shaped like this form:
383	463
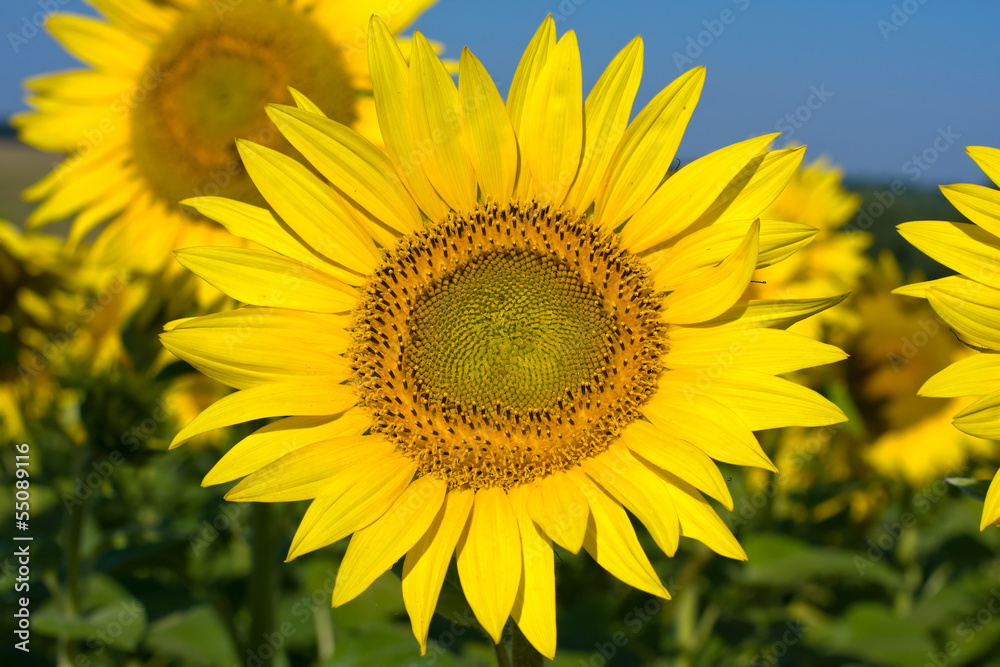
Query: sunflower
503	331
969	303
171	84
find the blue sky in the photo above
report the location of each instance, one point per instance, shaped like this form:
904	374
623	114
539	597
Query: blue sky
887	81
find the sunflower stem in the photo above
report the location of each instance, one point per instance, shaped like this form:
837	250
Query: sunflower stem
522	652
503	658
263	582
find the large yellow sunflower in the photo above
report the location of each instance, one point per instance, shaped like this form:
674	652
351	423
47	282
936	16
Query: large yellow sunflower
172	83
502	332
969	303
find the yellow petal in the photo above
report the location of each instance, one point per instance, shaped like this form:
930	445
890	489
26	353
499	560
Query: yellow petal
966	248
606	113
774	313
557	505
955	285
646	150
267	356
973	376
299	397
527	73
755	187
611	541
707	424
711	291
310	207
489	560
975	314
991	508
534	608
427	562
700	522
254	224
528	69
374	549
102	45
351	502
390	79
771	351
266	279
978	203
677	457
304	103
988	159
761	401
982	418
305	472
434	121
353	165
269	443
327	334
551	126
687	194
638	488
709	246
488	134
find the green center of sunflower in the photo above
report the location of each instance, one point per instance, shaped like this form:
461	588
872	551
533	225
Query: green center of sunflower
519	329
504	345
207	84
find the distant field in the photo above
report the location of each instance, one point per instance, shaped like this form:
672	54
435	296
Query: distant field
20	166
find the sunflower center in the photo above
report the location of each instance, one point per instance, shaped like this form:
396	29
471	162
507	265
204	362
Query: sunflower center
504	345
519	329
207	84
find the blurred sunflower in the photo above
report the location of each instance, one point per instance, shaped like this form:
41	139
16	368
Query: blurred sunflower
969	303
172	83
31	271
503	331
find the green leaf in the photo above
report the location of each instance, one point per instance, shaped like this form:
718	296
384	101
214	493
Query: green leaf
872	632
196	635
112	617
785	561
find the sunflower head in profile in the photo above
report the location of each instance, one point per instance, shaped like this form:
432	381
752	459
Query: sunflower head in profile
503	332
170	85
969	303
